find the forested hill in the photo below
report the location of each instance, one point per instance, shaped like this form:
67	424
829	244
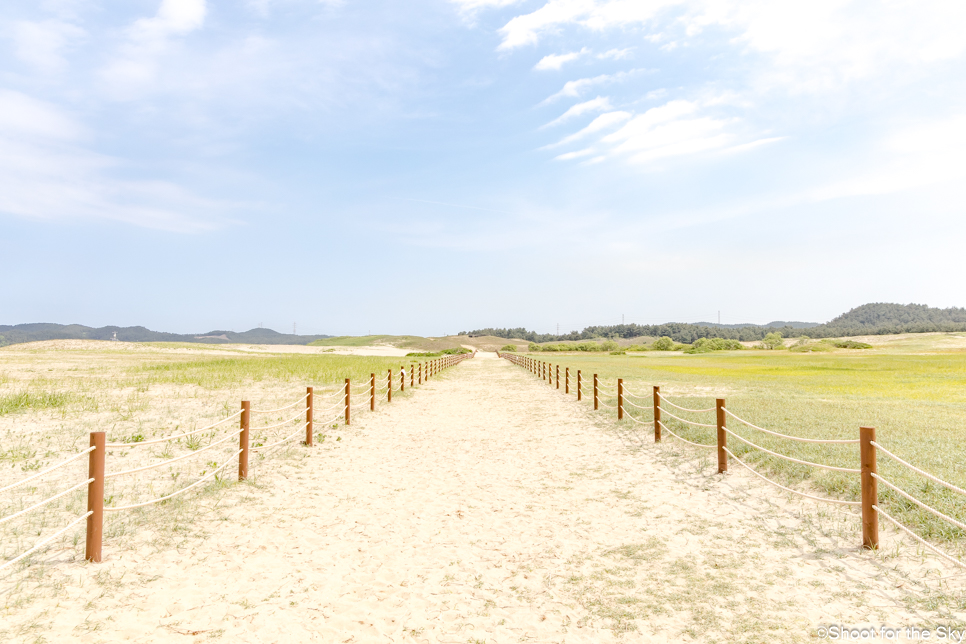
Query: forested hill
34	332
868	319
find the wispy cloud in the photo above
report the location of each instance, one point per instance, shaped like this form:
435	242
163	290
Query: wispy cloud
574	88
47	173
599	104
556	61
44	43
602	122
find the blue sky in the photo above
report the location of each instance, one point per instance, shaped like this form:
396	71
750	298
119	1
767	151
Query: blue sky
434	166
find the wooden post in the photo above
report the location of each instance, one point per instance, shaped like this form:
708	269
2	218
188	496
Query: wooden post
372	392
402	378
620	399
558	376
596	399
308	417
389	386
579	383
657	414
870	489
412	375
420	373
567	380
243	441
95	496
348	396
719	406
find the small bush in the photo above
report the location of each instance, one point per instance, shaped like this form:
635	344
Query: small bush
850	344
663	344
772	341
707	345
509	347
618	353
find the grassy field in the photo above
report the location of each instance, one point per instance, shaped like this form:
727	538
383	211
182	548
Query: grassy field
54	393
912	389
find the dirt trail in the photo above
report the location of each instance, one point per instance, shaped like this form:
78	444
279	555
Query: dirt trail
486	508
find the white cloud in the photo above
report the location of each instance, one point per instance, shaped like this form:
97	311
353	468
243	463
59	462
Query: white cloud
42	43
568	156
45	173
150	38
556	61
602	122
575	88
599	104
470	8
616	54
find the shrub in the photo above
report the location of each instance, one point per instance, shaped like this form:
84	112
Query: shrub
608	345
707	345
618	353
533	346
772	341
509	347
850	344
663	344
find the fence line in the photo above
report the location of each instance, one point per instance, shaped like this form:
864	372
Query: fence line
96	454
867	471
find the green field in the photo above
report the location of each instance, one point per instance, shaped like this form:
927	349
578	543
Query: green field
912	389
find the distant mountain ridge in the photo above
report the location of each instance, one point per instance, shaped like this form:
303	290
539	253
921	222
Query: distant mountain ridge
771	325
20	333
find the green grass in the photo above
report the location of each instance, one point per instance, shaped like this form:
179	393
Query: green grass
913	393
220	372
24	400
362	340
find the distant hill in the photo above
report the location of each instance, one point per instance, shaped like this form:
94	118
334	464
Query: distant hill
21	333
868	319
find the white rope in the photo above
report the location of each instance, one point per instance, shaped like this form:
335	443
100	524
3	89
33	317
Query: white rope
48	470
684	439
171	438
272	411
696	411
689	422
331	420
850	470
844	441
639	422
607	406
638	406
340	402
284	422
915	536
47	540
337	392
175	459
788	489
287	438
45	501
922	505
174	494
917	470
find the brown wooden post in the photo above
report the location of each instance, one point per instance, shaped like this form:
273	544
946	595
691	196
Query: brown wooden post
579	388
558	376
620	399
372	392
402	378
719	405
308	417
870	488
596	398
243	440
95	496
657	414
389	386
420	373
412	375
567	380
348	396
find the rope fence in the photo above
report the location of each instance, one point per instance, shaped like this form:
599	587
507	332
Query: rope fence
339	401
867	471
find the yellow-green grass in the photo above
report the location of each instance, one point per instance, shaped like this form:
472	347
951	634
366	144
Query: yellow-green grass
913	393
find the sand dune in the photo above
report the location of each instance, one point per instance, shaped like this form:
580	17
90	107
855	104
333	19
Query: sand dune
487	507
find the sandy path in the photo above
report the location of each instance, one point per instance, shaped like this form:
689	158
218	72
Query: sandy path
486	507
